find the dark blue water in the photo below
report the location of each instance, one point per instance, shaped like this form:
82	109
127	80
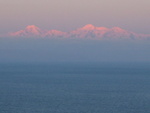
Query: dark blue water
75	88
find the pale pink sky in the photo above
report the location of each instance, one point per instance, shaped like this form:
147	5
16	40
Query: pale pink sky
66	15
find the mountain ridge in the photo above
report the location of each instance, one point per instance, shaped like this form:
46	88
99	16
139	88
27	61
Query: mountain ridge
88	31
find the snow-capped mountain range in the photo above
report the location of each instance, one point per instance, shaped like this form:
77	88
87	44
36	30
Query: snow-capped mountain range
88	31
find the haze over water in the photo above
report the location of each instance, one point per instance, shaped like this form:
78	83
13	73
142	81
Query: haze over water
74	76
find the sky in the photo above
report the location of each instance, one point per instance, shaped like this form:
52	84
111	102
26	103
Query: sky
67	15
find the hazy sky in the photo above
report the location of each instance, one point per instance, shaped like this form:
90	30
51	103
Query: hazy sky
66	15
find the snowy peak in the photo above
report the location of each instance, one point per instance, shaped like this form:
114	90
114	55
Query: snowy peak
92	27
118	29
29	31
54	33
32	29
88	27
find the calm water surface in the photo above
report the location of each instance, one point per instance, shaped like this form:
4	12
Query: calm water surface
74	88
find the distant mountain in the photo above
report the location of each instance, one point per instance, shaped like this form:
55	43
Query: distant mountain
54	33
88	31
29	31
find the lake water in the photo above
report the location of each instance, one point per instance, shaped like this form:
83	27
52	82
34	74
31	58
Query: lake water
75	88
